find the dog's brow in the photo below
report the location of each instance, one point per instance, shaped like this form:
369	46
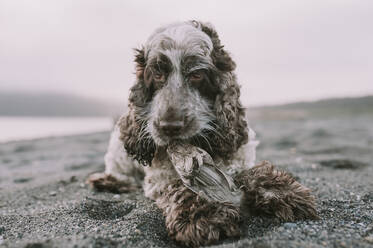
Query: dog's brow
196	68
161	62
193	63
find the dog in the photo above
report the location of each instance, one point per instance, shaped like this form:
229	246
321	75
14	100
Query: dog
186	90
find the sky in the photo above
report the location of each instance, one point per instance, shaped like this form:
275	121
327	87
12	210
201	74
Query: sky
285	51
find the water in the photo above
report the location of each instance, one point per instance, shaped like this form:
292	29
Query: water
23	128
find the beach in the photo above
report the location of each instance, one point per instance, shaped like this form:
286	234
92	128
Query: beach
44	201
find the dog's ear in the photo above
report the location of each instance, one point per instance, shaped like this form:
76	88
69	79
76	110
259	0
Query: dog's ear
220	57
132	125
230	115
135	142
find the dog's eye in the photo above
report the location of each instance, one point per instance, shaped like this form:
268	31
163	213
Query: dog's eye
196	76
158	76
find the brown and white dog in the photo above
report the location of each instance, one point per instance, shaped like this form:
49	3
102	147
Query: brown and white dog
186	90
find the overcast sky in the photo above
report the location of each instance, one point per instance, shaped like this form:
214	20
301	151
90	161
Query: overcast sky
285	50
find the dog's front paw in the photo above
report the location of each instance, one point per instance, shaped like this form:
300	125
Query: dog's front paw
273	192
203	225
193	221
108	183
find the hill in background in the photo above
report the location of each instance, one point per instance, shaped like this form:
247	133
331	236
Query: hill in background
50	104
333	107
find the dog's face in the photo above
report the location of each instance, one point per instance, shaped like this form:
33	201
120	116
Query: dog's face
185	90
180	71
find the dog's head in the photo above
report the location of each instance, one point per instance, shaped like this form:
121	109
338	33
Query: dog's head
185	90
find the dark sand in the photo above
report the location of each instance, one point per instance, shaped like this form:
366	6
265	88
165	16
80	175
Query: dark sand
44	202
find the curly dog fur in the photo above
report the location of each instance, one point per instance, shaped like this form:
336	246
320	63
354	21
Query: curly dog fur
193	221
273	192
186	90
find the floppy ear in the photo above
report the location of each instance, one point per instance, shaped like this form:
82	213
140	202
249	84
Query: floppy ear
230	116
231	120
133	124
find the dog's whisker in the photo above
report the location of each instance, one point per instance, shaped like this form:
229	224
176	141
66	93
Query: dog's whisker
214	130
206	139
196	140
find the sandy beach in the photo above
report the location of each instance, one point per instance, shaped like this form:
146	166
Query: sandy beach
45	203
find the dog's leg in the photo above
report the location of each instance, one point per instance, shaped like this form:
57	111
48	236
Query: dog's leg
274	192
122	174
192	220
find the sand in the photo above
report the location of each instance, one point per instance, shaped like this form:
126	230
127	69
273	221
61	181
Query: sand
45	203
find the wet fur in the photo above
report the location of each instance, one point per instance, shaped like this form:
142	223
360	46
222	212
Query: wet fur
102	182
193	221
272	192
190	220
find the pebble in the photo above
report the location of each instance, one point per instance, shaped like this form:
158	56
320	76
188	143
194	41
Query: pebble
367	230
324	234
116	196
53	193
1	240
369	239
289	225
314	166
73	179
299	160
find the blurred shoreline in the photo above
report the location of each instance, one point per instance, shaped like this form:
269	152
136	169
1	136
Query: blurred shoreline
30	128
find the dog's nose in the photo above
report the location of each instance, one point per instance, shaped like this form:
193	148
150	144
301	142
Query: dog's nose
171	128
